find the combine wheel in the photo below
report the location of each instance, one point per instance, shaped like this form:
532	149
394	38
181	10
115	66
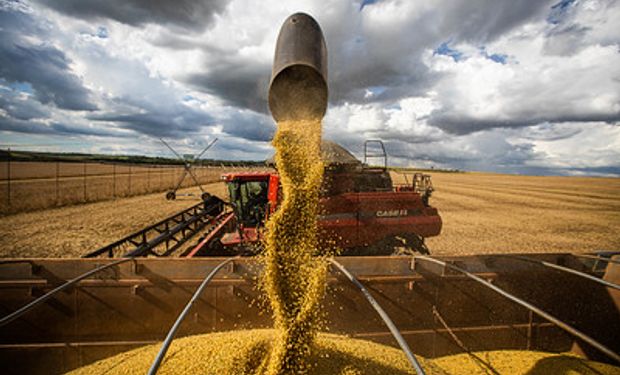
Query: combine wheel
171	196
205	196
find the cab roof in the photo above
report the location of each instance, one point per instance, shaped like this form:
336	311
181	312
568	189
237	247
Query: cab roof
247	176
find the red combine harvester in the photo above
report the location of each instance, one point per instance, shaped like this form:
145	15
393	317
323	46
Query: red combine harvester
363	212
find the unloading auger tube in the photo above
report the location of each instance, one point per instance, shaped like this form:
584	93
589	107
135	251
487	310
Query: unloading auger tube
571	330
298	87
386	319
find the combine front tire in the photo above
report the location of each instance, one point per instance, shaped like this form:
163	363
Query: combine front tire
171	196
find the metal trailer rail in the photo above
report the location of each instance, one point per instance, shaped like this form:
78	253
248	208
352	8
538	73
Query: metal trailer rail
386	319
566	269
597	258
16	314
571	330
168	341
175	229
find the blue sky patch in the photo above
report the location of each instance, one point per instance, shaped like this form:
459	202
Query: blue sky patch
367	2
102	32
376	90
444	49
21	87
558	11
499	58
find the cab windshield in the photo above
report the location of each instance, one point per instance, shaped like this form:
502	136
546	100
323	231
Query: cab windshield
249	199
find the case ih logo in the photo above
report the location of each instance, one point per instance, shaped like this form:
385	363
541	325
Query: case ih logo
391	213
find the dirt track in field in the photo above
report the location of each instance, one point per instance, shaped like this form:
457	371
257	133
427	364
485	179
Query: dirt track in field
482	213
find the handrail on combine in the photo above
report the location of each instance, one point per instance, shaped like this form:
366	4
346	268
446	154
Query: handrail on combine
386	319
567	270
170	336
16	314
571	330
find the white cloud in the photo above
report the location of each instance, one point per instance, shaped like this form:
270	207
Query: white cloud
522	87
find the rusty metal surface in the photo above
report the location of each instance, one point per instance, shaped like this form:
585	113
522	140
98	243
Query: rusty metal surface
136	302
612	274
578	334
386	319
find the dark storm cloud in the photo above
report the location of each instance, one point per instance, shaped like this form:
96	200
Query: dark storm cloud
237	149
566	40
459	124
361	57
68	129
248	125
188	14
481	21
171	122
42	65
391	57
54	128
240	83
607	170
485	151
21	108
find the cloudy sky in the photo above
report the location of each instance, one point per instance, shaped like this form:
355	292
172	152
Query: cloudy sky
526	86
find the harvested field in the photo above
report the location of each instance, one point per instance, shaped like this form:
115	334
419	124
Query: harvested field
492	213
482	213
73	231
27	186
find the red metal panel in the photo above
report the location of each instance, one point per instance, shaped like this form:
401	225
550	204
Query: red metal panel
360	219
227	217
246	176
339	218
272	194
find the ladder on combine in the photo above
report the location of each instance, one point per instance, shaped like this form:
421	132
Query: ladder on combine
374	149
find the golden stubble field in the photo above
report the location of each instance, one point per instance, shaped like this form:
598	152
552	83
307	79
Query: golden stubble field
482	213
76	230
492	213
